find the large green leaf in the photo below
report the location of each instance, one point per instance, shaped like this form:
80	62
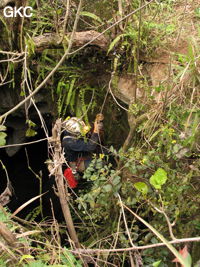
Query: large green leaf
159	178
141	187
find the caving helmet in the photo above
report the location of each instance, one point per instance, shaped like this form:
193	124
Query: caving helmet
75	126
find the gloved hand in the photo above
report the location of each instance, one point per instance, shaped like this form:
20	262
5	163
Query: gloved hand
98	126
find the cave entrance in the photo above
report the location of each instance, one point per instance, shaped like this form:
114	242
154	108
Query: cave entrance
28	176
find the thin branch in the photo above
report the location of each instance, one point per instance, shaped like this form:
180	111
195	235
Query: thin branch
7	235
168	221
102	251
120	10
65	20
131	259
125	222
118	226
138	53
158	235
7	193
26	204
109	88
9	251
18	54
133	127
182	21
25	144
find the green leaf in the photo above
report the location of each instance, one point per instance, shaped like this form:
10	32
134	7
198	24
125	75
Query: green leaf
156	263
30	132
91	15
2	138
24	257
2	128
155	134
38	263
197	12
69	95
2	263
107	188
114	42
158	178
59	88
30	123
141	187
188	260
93	177
69	260
116	180
31	45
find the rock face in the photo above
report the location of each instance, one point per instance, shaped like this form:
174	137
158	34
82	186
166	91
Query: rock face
154	74
167	57
124	87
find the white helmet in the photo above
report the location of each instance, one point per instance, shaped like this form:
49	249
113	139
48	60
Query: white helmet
74	125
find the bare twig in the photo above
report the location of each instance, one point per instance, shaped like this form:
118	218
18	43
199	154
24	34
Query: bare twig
109	88
131	259
7	235
182	21
65	20
25	204
138	53
105	251
168	221
25	144
7	193
120	10
133	125
125	222
9	251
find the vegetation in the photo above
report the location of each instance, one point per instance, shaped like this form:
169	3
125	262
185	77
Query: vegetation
142	208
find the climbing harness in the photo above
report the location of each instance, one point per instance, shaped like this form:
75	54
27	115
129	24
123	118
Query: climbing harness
71	174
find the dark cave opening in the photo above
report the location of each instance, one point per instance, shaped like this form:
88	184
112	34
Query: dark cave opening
28	174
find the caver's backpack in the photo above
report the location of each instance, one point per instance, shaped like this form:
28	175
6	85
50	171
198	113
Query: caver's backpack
69	176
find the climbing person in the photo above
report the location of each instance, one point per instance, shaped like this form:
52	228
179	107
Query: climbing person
77	148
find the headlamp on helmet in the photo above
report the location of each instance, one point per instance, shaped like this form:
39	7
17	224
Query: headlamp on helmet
75	126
